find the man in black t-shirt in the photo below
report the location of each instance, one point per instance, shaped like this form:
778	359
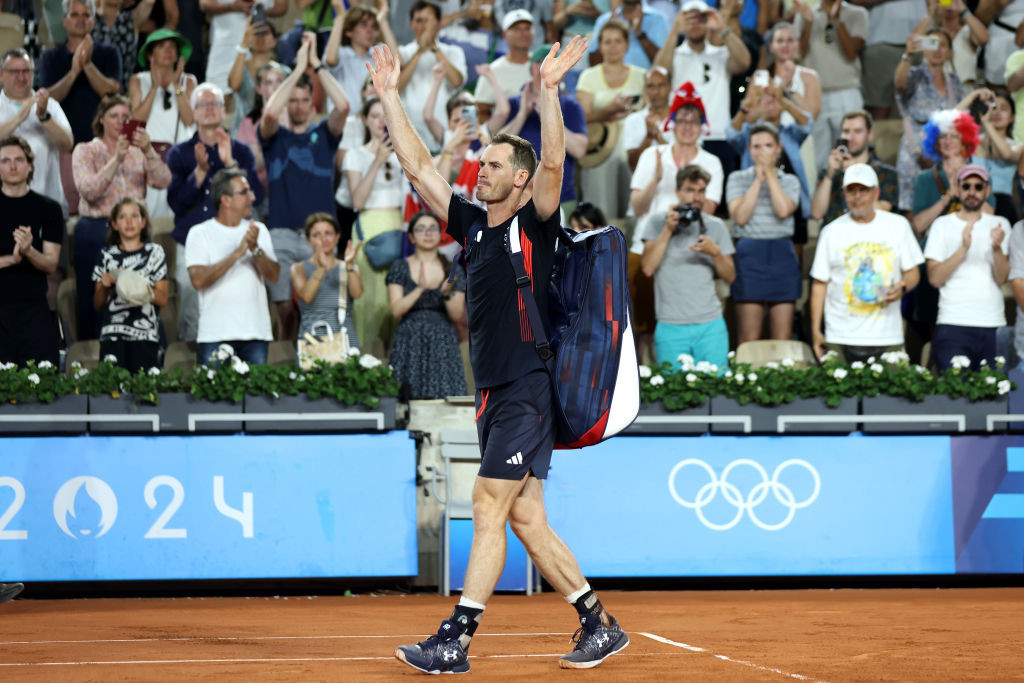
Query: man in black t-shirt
31	232
515	420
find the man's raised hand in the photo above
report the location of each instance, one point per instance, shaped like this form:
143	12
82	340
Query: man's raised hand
384	69
555	65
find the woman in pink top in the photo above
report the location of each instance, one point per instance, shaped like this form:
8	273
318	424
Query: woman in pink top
119	162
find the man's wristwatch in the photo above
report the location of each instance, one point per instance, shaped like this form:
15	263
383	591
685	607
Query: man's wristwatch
46	117
257	252
642	36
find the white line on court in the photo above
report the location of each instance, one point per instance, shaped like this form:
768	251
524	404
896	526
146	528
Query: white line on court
724	658
243	638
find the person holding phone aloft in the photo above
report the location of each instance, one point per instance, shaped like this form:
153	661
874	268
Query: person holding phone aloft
228	19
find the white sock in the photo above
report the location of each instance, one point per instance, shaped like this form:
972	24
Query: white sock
573	597
466	602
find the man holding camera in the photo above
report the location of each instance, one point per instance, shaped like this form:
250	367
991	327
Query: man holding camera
854	147
684	251
866	260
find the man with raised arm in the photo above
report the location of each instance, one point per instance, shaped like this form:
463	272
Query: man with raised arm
515	420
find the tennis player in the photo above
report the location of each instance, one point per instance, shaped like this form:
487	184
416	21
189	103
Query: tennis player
515	422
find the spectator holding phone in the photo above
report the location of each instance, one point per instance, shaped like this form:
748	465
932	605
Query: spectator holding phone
921	90
119	162
161	98
228	19
608	93
130	287
257	50
1002	154
463	101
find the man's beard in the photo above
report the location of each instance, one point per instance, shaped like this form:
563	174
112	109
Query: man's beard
973	204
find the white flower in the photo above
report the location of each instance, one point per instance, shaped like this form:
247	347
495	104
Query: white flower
829	355
857	365
110	358
1000	360
877	368
960	362
871	359
728	373
788	362
239	365
686	360
984	361
645	372
74	365
771	364
690	377
752	377
990	380
210	374
740	378
224	352
1004	387
657	380
895	357
292	376
11	366
45	365
34	378
154	372
839	373
368	361
353	351
731	355
81	372
706	366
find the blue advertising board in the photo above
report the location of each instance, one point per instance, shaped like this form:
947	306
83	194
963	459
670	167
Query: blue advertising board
750	506
207	507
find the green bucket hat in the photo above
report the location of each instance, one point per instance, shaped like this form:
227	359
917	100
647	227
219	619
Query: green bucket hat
184	47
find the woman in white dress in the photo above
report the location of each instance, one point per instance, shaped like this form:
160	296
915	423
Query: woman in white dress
160	97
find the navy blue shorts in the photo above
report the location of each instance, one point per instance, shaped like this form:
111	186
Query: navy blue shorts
516	428
766	270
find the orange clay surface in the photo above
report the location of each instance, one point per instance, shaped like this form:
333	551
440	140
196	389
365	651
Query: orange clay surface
819	635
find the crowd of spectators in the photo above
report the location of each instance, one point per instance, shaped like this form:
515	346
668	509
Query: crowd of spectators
725	135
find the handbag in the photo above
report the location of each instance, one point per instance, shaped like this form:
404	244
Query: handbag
384	249
330	348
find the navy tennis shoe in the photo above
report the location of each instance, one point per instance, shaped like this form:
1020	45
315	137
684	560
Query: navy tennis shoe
595	642
440	654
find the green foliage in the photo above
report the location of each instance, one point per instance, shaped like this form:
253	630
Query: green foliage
42	382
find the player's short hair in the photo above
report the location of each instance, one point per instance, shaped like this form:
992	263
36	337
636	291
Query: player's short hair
523	156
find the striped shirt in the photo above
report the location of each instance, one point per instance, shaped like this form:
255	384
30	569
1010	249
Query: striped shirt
763	223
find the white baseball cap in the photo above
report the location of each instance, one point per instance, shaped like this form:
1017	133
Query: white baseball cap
695	6
515	16
860	174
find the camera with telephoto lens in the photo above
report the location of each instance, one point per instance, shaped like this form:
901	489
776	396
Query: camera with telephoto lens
688	213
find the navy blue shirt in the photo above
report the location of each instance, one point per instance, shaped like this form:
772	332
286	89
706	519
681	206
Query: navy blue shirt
575	121
501	344
192	205
81	102
300	171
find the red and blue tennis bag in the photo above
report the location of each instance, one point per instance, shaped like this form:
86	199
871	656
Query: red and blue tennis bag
591	354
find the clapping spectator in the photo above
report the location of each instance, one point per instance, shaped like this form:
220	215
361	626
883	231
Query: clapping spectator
608	93
229	258
967	258
831	37
130	286
969	35
119	162
320	281
921	90
355	31
161	97
762	200
425	355
646	127
118	24
646	31
31	232
798	83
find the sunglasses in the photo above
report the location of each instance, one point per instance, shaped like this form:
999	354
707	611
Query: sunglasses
167	99
387	171
977	187
830	32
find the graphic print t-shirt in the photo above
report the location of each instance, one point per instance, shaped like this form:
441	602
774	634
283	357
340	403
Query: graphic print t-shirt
121	319
501	344
860	261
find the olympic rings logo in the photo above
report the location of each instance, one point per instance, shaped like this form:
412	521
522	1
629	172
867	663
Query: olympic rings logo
757	495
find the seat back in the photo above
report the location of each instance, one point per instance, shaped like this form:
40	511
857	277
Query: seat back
762	351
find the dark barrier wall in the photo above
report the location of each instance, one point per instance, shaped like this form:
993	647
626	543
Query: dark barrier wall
207	507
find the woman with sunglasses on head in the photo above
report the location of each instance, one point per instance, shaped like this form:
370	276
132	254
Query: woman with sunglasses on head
160	97
426	355
378	193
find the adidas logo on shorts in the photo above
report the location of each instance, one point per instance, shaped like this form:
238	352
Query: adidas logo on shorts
516	459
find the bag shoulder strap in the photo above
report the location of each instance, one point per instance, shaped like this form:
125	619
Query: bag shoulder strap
524	284
938	180
342	291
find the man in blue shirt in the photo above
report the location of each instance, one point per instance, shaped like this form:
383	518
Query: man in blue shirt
647	32
524	121
300	168
193	164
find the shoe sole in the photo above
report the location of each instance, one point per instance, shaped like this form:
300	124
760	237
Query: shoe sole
567	664
400	656
11	593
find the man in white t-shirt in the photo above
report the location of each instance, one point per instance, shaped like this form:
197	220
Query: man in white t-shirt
513	69
418	60
646	127
866	260
229	258
708	66
968	262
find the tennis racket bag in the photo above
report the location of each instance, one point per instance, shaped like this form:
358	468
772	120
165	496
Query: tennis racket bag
591	354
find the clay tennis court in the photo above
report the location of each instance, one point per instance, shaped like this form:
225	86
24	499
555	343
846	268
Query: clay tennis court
820	635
